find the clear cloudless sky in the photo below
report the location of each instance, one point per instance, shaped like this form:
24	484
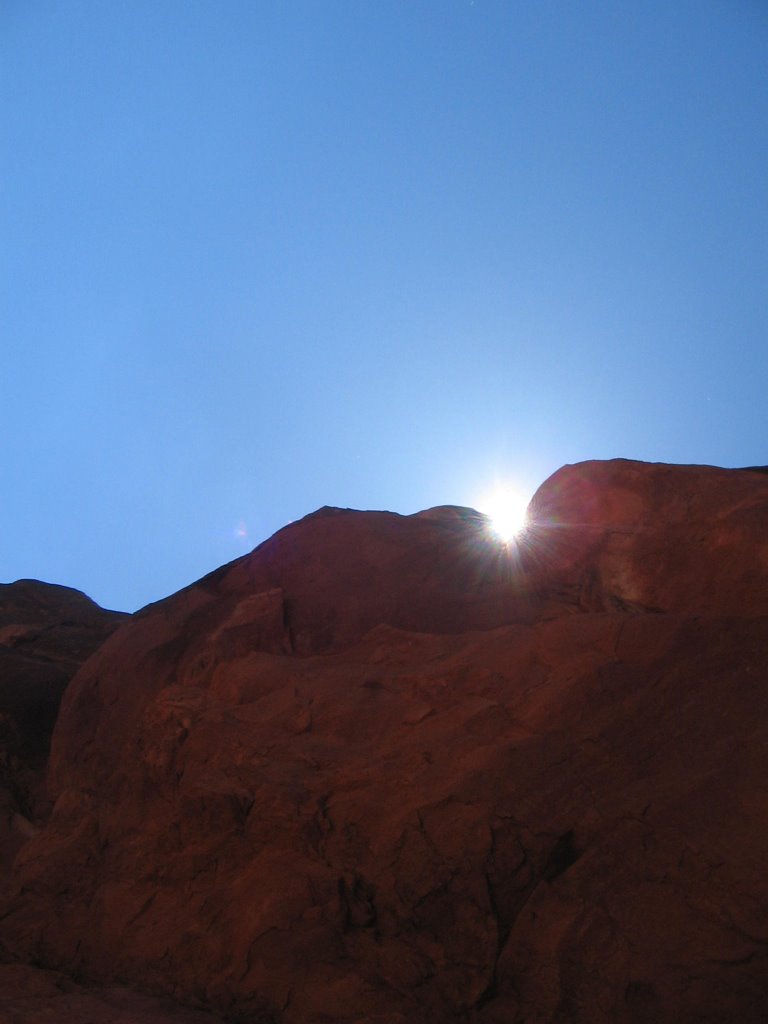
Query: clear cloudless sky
258	257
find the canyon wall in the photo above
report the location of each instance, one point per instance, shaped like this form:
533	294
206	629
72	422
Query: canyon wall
387	770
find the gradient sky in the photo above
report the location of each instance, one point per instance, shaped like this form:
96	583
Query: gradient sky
261	257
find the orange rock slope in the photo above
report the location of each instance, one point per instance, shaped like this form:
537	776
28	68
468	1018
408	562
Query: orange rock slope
386	770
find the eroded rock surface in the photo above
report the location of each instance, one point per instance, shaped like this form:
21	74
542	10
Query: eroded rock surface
46	633
385	770
31	995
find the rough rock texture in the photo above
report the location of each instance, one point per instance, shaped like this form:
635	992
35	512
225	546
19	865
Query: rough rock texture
385	770
46	633
29	995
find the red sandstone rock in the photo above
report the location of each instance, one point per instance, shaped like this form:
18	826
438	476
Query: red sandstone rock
383	770
29	995
652	537
46	633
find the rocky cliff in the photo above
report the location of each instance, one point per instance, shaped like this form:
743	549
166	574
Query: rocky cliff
385	769
46	633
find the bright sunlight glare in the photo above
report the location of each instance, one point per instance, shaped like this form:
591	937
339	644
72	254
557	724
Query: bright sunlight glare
506	508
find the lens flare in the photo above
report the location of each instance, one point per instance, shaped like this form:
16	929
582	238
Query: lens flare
506	508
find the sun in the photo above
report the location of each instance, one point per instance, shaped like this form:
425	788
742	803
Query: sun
506	507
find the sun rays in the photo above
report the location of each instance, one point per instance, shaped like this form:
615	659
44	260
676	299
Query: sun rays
506	508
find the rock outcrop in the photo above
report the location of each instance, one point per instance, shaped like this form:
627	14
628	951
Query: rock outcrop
384	769
46	633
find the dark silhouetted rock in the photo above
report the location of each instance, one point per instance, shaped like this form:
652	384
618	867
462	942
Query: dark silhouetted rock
29	995
46	633
384	770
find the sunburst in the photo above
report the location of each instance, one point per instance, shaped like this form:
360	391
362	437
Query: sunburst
506	507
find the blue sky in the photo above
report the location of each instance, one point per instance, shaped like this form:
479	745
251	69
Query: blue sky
261	257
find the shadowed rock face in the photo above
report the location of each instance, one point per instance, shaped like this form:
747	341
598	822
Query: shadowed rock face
46	633
30	995
385	770
641	537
